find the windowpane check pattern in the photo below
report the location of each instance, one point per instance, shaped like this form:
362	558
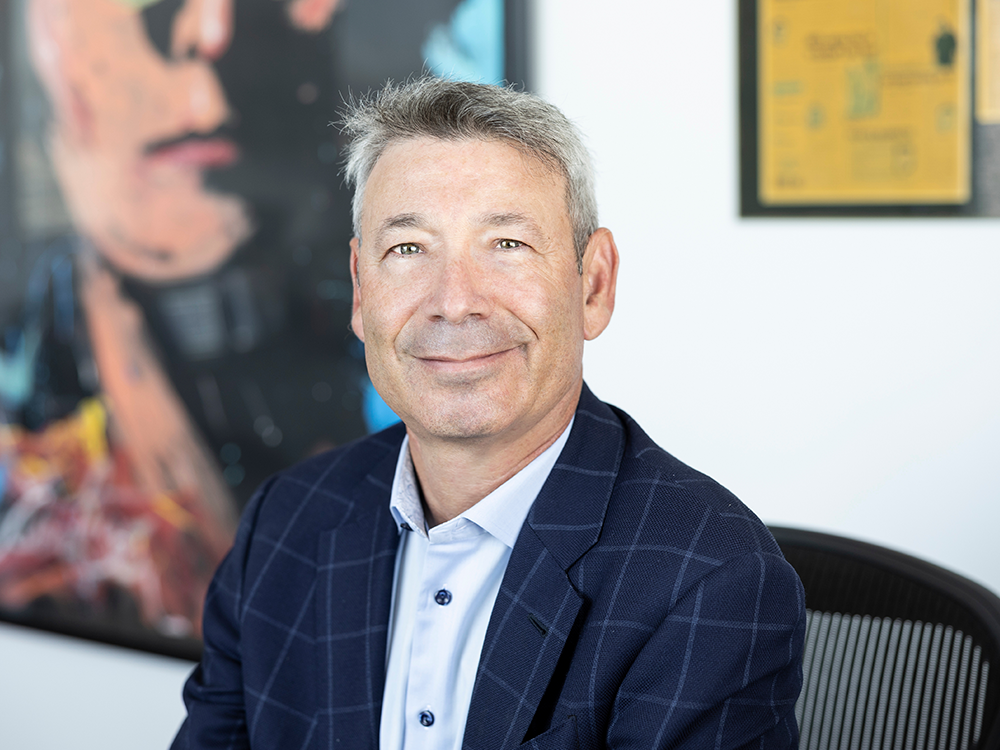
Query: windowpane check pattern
643	606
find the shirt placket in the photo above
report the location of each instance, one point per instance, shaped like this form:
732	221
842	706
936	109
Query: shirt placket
440	621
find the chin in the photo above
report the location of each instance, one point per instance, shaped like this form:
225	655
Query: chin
481	416
164	265
172	256
467	430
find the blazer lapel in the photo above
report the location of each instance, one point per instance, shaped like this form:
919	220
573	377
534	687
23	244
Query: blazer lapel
356	564
537	605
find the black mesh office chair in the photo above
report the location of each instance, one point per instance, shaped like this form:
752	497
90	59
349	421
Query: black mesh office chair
899	655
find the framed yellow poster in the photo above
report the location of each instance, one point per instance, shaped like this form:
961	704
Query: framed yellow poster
858	103
864	101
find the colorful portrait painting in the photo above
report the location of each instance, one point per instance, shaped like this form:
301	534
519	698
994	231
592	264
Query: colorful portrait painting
174	286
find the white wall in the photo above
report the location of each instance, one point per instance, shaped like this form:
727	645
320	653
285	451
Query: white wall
58	693
839	375
842	375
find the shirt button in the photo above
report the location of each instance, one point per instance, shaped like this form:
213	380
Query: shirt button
426	718
442	597
405	527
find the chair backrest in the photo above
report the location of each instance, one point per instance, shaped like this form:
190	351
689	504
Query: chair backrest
900	654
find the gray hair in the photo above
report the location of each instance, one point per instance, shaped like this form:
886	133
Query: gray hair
452	110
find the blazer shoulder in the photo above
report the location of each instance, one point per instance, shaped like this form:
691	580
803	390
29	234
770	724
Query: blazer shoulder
692	508
319	490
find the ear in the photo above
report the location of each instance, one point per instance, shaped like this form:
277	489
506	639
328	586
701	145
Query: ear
600	277
357	324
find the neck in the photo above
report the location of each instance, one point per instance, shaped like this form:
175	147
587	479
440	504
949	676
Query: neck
456	474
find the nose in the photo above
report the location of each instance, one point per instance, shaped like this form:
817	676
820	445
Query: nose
203	101
202	32
203	28
459	291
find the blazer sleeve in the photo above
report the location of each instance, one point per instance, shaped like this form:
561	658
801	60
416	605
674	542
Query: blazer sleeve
213	694
723	669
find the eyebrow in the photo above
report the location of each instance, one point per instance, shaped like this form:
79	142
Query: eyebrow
492	220
399	221
513	218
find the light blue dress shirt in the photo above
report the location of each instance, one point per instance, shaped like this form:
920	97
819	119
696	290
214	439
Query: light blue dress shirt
446	582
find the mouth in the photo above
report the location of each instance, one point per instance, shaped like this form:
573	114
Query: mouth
447	364
199	152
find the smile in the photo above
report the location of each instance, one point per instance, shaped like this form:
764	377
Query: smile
461	365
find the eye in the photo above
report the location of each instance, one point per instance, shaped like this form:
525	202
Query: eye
407	248
509	244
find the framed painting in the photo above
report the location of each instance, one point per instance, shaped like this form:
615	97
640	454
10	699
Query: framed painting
174	285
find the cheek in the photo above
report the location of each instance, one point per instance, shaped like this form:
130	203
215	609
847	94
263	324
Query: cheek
375	354
389	299
377	320
551	310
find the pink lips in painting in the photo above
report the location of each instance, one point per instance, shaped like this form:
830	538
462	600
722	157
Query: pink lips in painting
199	153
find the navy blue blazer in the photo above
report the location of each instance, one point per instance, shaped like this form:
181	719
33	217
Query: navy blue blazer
643	607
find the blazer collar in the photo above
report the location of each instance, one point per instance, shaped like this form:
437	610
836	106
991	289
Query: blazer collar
537	605
568	514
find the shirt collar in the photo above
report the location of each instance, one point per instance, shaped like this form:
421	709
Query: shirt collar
501	513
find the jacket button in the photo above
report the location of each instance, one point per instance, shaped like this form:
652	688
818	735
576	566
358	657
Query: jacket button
426	718
443	597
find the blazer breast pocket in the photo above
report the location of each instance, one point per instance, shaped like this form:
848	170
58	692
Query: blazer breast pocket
562	737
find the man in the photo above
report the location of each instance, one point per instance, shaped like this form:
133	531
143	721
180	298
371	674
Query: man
519	564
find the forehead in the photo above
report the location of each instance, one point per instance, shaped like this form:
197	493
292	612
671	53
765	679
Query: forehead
462	172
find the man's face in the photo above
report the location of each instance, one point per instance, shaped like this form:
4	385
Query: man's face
468	296
136	129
